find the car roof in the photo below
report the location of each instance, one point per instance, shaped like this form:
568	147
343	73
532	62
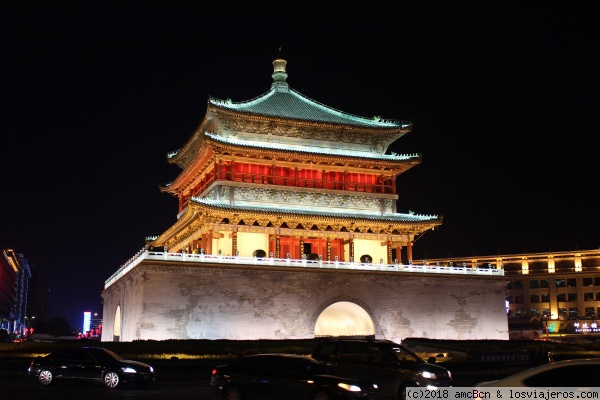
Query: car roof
287	355
524	374
80	348
574	361
358	339
555	364
384	342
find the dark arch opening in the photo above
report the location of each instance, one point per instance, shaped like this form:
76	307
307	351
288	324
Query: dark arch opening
259	253
365	258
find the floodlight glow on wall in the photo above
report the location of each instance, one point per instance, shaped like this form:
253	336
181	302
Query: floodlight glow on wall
525	266
551	265
578	265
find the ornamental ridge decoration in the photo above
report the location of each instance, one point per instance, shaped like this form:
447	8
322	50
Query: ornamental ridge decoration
309	200
379	139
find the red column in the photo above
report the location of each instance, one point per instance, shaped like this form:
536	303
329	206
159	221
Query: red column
409	250
209	243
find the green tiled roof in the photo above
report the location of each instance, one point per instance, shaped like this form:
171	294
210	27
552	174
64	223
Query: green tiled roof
284	102
290	210
308	150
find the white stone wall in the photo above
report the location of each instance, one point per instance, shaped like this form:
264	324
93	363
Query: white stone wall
168	300
128	293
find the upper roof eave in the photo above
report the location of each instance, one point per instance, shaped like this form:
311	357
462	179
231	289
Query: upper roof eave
391	158
293	107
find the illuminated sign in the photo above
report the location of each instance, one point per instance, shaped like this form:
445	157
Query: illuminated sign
87	318
585	328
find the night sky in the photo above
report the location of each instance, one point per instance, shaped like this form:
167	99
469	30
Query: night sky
503	96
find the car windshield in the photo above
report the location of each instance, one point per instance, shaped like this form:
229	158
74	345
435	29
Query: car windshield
104	355
274	364
321	369
404	354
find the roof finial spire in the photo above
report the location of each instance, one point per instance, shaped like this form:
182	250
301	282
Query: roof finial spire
279	75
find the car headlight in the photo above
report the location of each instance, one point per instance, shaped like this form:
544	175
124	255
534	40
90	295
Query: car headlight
128	370
350	388
428	375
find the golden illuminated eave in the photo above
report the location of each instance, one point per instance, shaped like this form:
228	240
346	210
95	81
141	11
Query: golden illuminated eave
191	148
201	218
188	177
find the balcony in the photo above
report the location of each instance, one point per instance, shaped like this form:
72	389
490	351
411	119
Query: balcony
295	263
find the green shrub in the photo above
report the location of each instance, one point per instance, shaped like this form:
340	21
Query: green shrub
228	349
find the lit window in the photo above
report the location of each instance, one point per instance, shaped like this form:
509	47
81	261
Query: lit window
573	313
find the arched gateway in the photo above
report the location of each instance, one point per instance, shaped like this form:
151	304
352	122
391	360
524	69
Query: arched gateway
344	318
163	297
287	220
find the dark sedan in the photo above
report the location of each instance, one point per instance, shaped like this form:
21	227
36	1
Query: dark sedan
92	364
581	372
285	376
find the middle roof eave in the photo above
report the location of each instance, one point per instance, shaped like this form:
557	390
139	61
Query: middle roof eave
395	218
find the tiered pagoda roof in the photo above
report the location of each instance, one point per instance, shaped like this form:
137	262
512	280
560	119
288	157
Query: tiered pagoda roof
284	127
283	116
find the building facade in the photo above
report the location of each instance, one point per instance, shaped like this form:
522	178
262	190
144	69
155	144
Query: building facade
14	288
560	290
284	182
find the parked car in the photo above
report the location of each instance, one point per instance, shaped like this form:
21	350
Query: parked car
94	364
389	365
583	372
285	376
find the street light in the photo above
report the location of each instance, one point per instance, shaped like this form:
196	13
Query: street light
548	316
